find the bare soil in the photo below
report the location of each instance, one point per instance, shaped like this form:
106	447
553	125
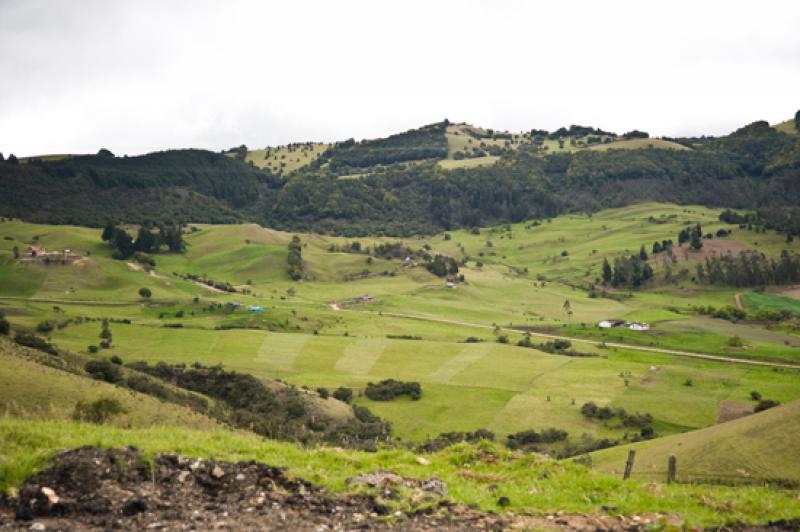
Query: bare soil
99	489
730	410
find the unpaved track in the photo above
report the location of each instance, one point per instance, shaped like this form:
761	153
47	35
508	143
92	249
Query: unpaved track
690	354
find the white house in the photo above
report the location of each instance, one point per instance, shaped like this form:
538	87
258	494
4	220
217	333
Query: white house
638	326
608	324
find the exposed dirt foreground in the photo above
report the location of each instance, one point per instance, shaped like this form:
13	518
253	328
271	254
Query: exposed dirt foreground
98	489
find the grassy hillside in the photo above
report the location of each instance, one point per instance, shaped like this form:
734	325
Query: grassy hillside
475	474
756	447
315	333
787	127
639	144
33	391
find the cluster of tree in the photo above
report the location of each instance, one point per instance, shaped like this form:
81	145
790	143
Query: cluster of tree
556	347
225	286
147	241
663	246
693	235
631	272
389	389
5	326
442	266
163	187
755	168
428	142
35	342
578	131
636	134
446	439
604	413
529	440
295	259
748	269
280	414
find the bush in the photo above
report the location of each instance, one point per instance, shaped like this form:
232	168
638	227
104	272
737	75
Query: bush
93	349
755	396
115	359
389	389
527	439
765	404
343	394
98	411
45	327
33	341
145	292
5	327
103	370
323	393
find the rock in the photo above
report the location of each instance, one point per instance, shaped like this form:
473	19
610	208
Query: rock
37	526
421	460
217	472
52	498
183	475
378	479
434	485
240	477
134	506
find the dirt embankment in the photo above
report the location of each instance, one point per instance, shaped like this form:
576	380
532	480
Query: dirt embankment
90	488
99	489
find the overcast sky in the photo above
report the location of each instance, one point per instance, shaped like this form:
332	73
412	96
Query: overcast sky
138	76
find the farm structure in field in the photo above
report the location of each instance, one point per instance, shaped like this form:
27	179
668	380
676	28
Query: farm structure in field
634	326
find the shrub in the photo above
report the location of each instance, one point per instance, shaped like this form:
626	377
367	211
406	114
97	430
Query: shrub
323	393
45	327
33	341
502	339
389	389
115	359
98	411
295	407
735	341
765	404
472	340
343	394
5	327
93	349
145	292
755	396
103	370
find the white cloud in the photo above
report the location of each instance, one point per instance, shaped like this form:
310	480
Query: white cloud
146	75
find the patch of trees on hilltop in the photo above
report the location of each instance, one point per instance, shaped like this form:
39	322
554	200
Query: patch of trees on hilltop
755	168
428	142
171	186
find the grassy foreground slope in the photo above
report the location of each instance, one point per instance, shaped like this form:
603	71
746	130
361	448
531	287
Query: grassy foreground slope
761	446
475	474
33	391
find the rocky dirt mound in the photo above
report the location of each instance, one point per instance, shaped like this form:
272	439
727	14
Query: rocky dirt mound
90	488
98	489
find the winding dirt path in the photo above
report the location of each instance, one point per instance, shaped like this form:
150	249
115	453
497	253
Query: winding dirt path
690	354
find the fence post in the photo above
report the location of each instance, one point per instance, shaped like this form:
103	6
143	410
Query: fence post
672	469
629	464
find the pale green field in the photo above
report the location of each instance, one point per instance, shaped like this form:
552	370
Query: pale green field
639	144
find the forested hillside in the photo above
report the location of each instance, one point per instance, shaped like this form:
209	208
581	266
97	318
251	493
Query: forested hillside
394	185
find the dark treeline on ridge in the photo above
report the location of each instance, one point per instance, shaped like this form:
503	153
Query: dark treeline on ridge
395	186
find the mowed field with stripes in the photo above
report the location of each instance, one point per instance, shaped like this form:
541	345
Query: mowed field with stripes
466	386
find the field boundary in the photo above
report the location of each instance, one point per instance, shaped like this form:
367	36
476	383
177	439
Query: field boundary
690	354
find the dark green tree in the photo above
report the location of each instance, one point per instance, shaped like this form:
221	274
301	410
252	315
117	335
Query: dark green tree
642	253
607	273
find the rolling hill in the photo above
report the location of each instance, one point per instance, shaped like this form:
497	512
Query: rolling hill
758	447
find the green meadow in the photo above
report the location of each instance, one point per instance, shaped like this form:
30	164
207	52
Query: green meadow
518	277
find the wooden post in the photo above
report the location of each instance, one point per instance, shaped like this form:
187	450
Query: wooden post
672	469
629	464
